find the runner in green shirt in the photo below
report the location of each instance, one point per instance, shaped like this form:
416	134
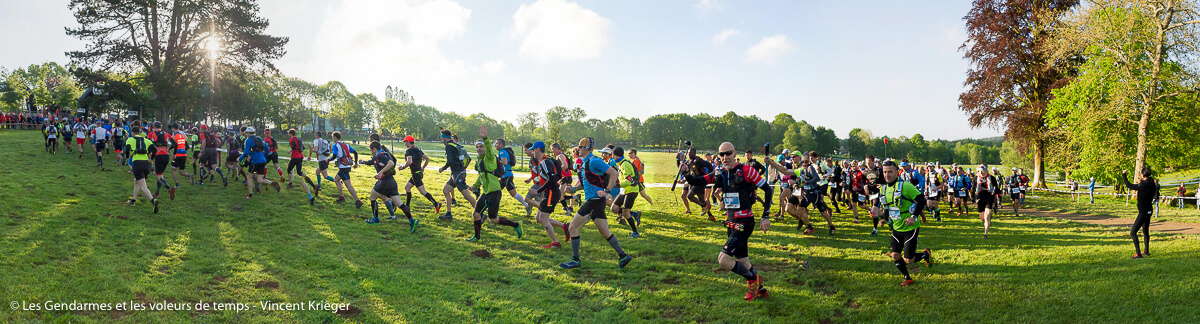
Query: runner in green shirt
903	206
140	147
488	184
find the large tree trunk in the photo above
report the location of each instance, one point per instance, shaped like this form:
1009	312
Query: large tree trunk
1143	125
1039	163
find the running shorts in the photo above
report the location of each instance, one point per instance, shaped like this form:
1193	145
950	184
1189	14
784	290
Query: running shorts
506	183
273	157
906	242
625	201
458	180
489	203
180	162
322	165
417	180
100	145
816	200
387	187
259	168
553	196
79	140
736	245
295	164
343	173
593	209
141	169
160	163
985	202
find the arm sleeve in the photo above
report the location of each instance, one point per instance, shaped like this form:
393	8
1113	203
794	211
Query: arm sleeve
451	155
1129	185
919	204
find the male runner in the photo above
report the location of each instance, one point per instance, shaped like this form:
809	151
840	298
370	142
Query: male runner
81	131
1014	191
416	161
507	161
457	161
738	183
548	171
698	166
50	132
341	153
255	154
296	165
904	206
210	159
178	141
567	178
233	149
139	149
162	158
100	136
385	186
641	179
985	185
489	187
272	151
599	181
809	176
119	133
324	151
630	188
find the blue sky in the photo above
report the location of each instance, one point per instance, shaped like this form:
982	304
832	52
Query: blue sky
888	66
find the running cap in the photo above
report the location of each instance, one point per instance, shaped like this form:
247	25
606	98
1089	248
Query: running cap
203	127
540	145
606	150
409	138
250	129
903	164
785	151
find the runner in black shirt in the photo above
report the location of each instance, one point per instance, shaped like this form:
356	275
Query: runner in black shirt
416	161
385	187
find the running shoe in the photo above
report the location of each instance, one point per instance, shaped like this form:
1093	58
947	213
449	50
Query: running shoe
635	235
473	239
906	282
552	245
316	191
567	231
373	220
808	230
1137	256
393	217
762	292
276	185
621	221
171	191
832	230
437	208
570	264
712	218
446	217
358	204
856	220
520	232
155	202
874	231
311	200
248	196
528	210
928	258
624	261
412	225
341	199
637	217
290	185
751	289
131	202
224	181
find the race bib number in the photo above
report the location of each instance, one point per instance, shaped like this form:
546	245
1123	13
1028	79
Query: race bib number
962	193
894	213
732	201
834	185
862	198
873	197
933	194
1016	190
808	187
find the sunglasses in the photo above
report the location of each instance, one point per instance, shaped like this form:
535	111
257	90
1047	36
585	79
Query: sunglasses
726	153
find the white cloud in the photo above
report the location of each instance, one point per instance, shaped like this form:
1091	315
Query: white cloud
718	39
770	49
494	67
374	42
560	30
706	6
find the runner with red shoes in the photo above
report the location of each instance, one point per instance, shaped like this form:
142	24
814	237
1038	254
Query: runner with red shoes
903	205
548	171
738	183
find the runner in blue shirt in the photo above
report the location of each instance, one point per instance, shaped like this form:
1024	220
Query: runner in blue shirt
599	180
255	149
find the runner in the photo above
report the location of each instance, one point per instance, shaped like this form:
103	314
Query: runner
255	155
324	151
118	139
507	161
272	151
139	149
641	179
985	185
233	150
100	136
933	193
81	131
488	183
211	157
1014	191
1147	191
808	176
457	160
739	182
630	188
179	165
416	161
873	177
567	177
385	186
547	172
50	133
697	167
904	206
296	165
785	187
1024	184
341	153
193	139
162	158
599	181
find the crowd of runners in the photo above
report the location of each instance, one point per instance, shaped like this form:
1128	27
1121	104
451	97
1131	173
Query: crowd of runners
587	181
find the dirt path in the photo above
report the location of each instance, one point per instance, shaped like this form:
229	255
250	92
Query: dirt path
1157	226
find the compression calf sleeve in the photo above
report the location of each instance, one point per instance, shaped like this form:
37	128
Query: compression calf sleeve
575	248
375	208
612	240
407	211
407	198
900	264
507	222
391	208
740	269
632	224
430	197
478	226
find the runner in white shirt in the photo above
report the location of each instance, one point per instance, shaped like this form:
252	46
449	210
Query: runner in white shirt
324	152
100	136
81	131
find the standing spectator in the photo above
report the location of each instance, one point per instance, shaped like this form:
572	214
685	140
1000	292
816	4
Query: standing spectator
1182	193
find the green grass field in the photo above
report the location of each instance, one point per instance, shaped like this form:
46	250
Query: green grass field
1113	206
66	235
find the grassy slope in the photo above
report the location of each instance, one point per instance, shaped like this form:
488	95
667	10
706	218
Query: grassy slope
66	235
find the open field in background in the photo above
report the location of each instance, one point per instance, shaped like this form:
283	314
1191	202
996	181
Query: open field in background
66	235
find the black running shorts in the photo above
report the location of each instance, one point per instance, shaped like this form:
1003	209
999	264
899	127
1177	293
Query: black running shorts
489	205
593	208
458	180
259	168
141	169
387	187
625	201
295	164
161	162
180	162
553	196
417	180
737	243
506	183
906	242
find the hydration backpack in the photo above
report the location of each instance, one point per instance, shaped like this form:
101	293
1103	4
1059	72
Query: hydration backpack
463	157
140	147
597	180
259	145
512	159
